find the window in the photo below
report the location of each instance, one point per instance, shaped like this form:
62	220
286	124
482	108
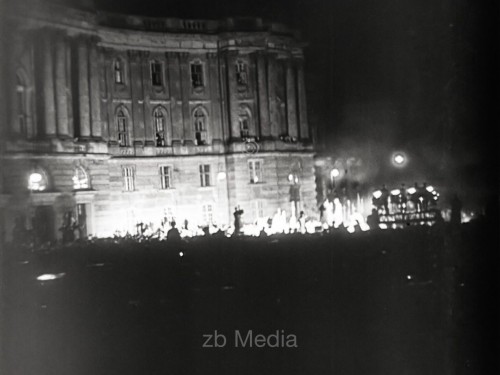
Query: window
197	75
156	73
165	177
258	209
244	128
80	179
118	71
208	213
200	122
241	73
255	170
21	106
159	123
38	181
128	174
205	175
121	120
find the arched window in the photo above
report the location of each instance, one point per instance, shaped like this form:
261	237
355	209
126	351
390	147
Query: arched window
159	124
122	123
200	126
244	118
80	179
37	181
118	71
21	106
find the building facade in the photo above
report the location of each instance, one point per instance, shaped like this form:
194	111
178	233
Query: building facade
125	120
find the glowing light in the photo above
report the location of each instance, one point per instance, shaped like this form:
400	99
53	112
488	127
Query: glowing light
377	194
50	276
350	229
37	182
221	176
399	159
335	173
430	189
409	277
382	226
396	192
181	254
35	178
412	190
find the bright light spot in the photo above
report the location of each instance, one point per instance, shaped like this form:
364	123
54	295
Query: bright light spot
377	194
290	177
335	173
409	277
399	159
256	179
50	276
412	190
181	254
35	178
382	226
221	176
350	229
430	189
395	192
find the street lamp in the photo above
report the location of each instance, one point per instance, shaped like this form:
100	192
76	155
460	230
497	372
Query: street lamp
334	173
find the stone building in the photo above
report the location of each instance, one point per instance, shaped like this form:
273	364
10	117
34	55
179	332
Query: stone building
125	119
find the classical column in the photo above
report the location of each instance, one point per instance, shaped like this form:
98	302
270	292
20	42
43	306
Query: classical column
136	80
185	72
213	77
265	129
274	104
174	82
291	103
83	88
95	94
48	89
61	87
304	126
232	96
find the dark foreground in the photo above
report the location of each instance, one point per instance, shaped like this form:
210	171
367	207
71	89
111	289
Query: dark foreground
415	301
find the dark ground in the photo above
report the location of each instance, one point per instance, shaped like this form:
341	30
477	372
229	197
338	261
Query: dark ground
413	301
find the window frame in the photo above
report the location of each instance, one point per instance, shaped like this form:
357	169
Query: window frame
166	180
242	73
128	178
118	71
159	113
205	175
122	134
197	78
256	174
87	179
157	79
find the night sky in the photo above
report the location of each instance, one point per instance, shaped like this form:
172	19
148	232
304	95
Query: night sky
419	76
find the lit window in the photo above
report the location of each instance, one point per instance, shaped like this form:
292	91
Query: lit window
80	179
21	106
208	213
156	74
205	175
197	75
241	74
118	71
37	181
121	120
200	123
128	174
165	177
159	122
255	170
